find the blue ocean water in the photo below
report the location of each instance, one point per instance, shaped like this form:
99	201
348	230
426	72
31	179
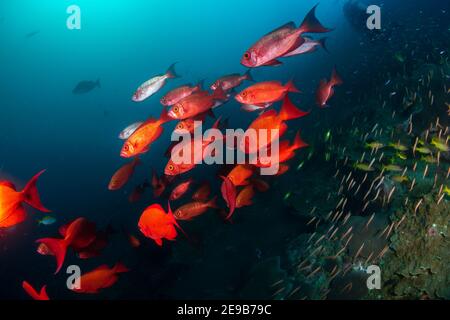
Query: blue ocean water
74	137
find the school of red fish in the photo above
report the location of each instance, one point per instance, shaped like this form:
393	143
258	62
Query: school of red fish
185	104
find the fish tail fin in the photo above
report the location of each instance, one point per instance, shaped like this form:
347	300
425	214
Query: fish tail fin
171	73
290	87
289	111
216	124
31	194
311	24
30	290
120	268
335	78
212	203
58	247
164	116
298	142
43	293
323	44
175	221
98	84
248	76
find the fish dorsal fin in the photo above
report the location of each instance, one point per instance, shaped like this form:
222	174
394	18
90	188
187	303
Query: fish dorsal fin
148	121
8	184
289	25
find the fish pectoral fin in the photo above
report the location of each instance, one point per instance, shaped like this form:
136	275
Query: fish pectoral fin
273	63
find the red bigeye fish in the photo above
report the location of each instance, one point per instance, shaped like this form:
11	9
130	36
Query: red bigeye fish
281	41
179	93
41	295
229	82
194	209
137	193
326	89
150	87
203	192
95	248
134	242
245	196
180	190
286	151
196	104
158	185
140	141
265	93
100	278
190	124
240	174
12	211
229	194
121	177
182	165
78	234
270	120
157	225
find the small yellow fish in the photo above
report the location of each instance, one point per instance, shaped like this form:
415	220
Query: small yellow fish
401	155
423	150
398	146
364	167
374	145
429	159
440	144
392	167
446	190
400	179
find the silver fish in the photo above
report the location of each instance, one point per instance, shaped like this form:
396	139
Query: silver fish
310	45
128	131
150	87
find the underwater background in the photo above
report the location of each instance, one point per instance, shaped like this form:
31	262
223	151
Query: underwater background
262	253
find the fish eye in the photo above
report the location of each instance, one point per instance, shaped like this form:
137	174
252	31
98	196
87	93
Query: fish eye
180	126
171	167
244	94
175	109
126	148
247	55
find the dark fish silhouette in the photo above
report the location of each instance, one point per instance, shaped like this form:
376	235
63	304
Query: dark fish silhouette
86	86
32	34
